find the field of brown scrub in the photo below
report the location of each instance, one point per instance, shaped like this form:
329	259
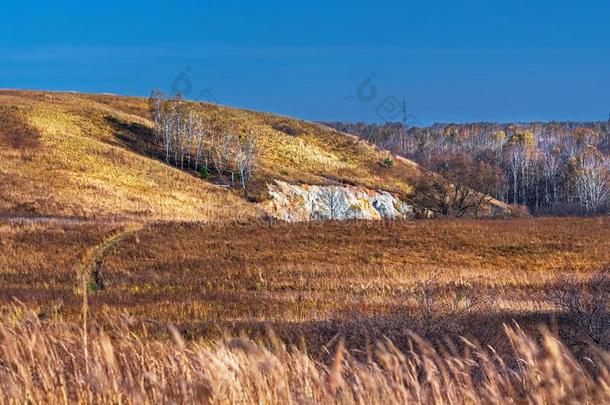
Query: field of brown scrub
361	280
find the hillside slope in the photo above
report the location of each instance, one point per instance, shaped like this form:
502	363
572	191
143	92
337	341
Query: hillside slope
75	155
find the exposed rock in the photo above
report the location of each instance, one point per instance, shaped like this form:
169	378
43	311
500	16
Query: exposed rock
297	203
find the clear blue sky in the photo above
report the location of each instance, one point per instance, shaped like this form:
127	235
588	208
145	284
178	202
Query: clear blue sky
454	61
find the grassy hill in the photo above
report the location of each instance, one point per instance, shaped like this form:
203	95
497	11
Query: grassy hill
70	154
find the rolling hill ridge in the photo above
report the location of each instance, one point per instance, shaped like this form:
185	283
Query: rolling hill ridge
87	155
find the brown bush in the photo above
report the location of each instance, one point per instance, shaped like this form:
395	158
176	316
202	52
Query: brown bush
587	306
287	128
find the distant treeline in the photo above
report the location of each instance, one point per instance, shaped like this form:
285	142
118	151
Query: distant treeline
552	168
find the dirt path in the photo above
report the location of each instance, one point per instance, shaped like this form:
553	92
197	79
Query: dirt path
26	220
40	220
95	255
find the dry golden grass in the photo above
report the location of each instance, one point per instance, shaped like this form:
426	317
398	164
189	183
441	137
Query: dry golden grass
360	279
327	288
41	364
93	158
81	169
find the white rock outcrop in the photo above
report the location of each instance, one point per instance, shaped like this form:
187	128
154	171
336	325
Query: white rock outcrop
297	203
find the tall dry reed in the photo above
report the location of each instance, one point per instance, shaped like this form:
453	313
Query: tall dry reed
47	363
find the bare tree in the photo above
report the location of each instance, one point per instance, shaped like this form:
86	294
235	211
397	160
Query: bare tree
223	151
586	306
199	132
591	180
441	310
534	159
181	133
550	171
155	102
175	127
245	157
168	128
458	185
179	126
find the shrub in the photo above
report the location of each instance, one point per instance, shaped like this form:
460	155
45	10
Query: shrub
587	306
388	163
204	172
286	128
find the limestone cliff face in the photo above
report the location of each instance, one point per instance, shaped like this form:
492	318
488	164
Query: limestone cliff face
297	203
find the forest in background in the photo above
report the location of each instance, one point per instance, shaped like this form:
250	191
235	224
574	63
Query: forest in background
555	168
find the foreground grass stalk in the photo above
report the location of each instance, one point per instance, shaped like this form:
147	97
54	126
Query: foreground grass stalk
84	311
42	363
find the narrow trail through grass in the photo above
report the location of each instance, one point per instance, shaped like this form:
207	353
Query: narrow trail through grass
96	254
91	278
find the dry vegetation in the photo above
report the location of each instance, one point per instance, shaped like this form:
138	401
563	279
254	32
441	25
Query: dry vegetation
121	365
89	297
82	167
348	304
311	281
93	156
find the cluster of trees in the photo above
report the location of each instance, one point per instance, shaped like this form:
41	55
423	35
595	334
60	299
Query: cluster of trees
181	128
456	185
548	167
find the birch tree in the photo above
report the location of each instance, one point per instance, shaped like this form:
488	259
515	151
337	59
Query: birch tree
591	179
246	156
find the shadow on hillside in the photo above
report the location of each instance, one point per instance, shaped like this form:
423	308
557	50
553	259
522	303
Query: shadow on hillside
135	137
140	139
16	132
